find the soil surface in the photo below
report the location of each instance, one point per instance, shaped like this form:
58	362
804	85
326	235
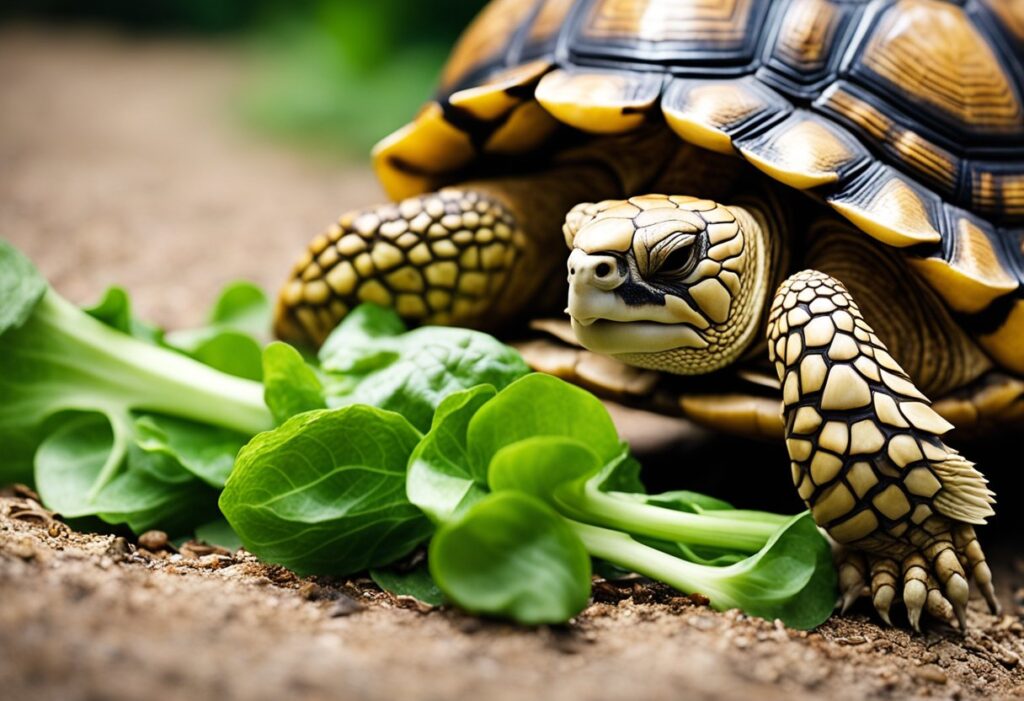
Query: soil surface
120	163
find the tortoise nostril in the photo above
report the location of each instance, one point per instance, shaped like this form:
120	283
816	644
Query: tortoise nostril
602	270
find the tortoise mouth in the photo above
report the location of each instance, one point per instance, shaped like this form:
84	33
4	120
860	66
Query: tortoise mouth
617	337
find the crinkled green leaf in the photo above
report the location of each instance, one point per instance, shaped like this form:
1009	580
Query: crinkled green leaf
83	469
207	452
410	373
364	341
70	461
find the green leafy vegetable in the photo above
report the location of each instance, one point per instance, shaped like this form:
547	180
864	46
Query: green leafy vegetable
367	360
230	339
115	310
541	405
523	476
325	492
539	465
553	443
150	488
115	402
511	555
21	288
416	583
442	480
790	578
292	387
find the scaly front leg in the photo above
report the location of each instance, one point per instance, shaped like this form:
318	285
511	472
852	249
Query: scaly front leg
868	458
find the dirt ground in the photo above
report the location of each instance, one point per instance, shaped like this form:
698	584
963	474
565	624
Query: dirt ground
120	162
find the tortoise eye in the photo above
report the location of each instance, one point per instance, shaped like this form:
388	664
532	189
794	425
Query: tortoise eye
677	262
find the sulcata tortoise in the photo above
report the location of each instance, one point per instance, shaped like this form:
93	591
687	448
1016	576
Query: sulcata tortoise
832	190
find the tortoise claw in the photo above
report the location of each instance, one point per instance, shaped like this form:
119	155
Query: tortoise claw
882	601
852	569
937	605
915	595
957	592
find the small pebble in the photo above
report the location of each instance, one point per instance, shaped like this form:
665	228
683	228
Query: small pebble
852	640
344	606
118	549
1008	659
153	540
931	673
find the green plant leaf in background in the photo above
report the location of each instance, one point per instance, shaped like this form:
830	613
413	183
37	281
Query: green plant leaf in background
231	340
74	395
441	480
410	373
115	310
511	555
21	287
325	492
291	386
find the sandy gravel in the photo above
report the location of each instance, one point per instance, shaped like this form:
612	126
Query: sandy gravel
92	617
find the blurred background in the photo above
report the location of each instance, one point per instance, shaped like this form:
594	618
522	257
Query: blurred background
170	146
332	74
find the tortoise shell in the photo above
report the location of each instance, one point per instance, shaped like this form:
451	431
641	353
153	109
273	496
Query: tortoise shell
905	116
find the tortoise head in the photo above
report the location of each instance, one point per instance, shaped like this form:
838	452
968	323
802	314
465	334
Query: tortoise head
669	283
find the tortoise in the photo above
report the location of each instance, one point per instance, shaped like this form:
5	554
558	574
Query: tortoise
847	175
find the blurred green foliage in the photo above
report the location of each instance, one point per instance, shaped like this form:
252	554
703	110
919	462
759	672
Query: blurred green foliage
334	74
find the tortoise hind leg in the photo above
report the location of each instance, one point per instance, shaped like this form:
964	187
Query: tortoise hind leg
867	454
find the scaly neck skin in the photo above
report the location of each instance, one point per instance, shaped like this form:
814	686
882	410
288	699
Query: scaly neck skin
757	282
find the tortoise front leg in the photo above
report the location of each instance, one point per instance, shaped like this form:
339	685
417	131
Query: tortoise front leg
868	458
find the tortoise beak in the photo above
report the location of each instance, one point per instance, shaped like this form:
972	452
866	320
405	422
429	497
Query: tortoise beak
602	320
592	279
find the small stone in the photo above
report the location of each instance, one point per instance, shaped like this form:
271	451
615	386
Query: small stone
1008	659
153	540
311	591
852	640
344	605
119	548
931	673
